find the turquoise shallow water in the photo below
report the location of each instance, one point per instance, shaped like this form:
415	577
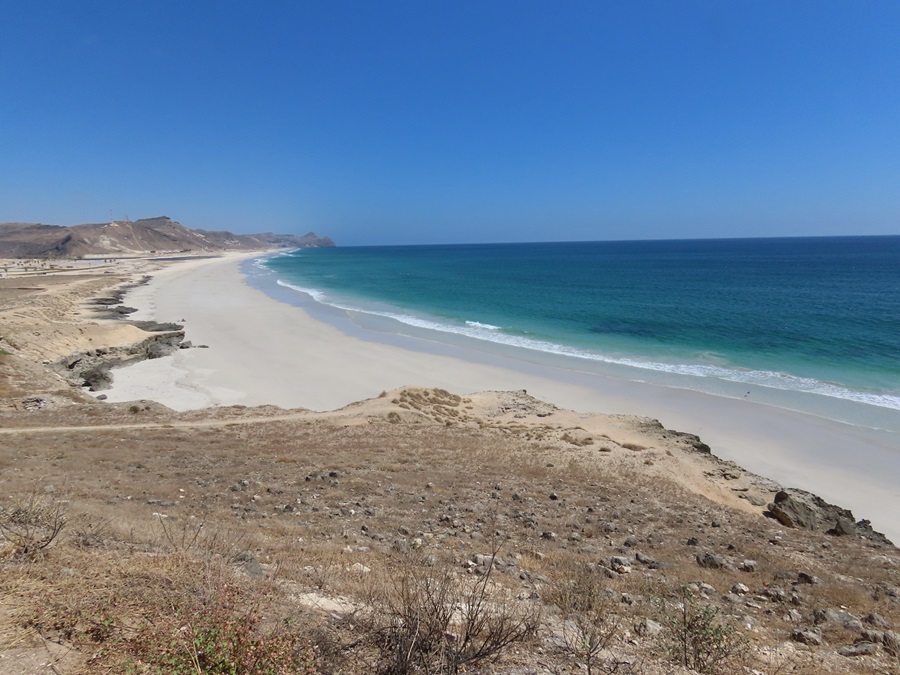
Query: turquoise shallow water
813	315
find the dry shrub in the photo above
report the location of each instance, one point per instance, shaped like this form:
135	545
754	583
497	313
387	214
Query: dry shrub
589	624
167	613
193	537
220	630
580	441
633	446
30	525
429	618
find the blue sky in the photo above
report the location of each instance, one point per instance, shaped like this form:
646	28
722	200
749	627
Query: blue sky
442	122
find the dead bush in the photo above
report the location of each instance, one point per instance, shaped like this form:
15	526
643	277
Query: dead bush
432	619
30	525
589	624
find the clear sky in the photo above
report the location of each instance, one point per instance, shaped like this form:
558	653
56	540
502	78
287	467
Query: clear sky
436	121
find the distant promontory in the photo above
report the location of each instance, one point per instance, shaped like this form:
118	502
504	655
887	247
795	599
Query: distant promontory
146	236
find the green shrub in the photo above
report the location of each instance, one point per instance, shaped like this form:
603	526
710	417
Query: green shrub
697	639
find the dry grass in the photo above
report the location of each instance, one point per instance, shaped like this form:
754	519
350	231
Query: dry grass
257	519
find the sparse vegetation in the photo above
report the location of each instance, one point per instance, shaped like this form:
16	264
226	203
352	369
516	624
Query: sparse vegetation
430	619
219	631
400	544
30	525
698	639
589	622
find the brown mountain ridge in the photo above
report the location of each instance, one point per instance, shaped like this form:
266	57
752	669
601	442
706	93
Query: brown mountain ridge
128	238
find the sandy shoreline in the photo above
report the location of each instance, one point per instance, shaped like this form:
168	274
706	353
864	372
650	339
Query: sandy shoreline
262	351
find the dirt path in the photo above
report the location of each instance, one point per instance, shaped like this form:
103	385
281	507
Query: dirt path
156	425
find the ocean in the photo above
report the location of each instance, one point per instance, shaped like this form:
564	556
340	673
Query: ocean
810	324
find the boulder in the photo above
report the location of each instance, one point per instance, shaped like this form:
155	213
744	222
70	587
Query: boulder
157	350
807	636
97	379
840	617
858	649
792	512
842	528
713	561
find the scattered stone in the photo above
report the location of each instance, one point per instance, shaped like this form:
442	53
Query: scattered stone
837	616
747	566
714	562
793	616
620	561
858	649
34	403
740	589
250	565
703	588
869	635
877	620
648	628
621	564
808	636
775	594
644	559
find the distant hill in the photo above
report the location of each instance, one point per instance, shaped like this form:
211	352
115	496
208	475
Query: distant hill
145	236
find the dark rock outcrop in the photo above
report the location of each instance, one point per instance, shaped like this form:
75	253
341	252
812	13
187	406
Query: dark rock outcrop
792	512
803	510
93	368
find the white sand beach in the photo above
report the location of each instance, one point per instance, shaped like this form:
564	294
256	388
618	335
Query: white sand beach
263	351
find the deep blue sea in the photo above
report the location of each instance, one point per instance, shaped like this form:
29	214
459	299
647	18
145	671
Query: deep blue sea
814	315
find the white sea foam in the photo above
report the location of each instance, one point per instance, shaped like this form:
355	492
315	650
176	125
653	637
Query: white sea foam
488	332
478	324
318	296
